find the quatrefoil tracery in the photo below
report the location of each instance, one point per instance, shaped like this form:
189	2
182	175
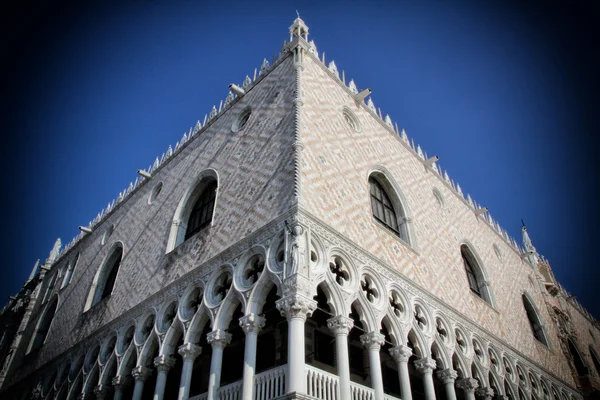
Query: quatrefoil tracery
222	286
369	288
256	267
396	304
339	270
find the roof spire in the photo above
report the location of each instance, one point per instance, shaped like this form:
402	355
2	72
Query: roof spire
298	29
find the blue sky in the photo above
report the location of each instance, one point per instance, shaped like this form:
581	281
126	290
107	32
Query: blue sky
506	95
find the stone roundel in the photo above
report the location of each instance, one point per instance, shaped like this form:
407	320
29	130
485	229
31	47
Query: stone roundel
372	290
342	272
398	305
219	286
191	301
167	316
276	255
144	329
250	268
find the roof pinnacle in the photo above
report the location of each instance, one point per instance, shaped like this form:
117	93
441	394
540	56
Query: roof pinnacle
298	29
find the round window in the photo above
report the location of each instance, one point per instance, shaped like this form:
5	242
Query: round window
155	192
351	119
241	120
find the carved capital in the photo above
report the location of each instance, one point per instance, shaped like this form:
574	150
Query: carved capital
340	325
467	384
164	363
425	365
140	373
296	306
119	382
401	353
372	340
189	351
447	375
484	393
252	323
218	338
100	391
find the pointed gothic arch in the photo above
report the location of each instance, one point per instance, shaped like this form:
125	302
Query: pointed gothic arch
389	206
106	276
595	359
534	319
580	367
477	277
43	326
195	209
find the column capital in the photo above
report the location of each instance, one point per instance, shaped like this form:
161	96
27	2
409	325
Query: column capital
401	353
164	363
218	338
189	351
296	306
447	375
425	365
372	340
252	323
100	391
484	393
120	382
140	373
467	384
340	325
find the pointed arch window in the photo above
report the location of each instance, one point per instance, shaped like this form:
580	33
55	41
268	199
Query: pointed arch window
202	212
43	326
534	321
105	279
580	366
595	359
386	207
69	272
475	275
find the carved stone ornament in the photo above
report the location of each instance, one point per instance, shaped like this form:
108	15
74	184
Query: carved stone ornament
447	375
484	393
425	365
298	250
140	373
467	384
401	353
119	382
340	325
218	338
189	351
252	323
100	391
296	306
372	340
164	363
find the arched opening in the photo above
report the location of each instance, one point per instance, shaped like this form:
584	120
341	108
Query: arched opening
174	374
320	343
150	383
582	370
43	326
359	362
233	354
416	379
195	210
389	368
272	342
595	360
438	384
475	276
534	320
201	370
69	272
386	206
106	277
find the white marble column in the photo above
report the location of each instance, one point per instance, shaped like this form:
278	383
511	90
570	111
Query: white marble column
251	324
119	383
484	393
188	352
296	308
218	340
341	326
373	342
401	354
448	376
139	374
163	364
426	366
468	385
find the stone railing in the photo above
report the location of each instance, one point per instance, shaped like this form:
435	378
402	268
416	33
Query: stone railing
267	385
325	386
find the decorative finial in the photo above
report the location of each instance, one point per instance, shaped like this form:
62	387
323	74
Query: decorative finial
523	224
297	13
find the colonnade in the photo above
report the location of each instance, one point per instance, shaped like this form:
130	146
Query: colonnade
297	309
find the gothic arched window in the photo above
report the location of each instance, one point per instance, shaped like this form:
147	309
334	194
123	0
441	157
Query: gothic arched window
582	370
534	321
386	207
202	211
475	274
106	276
69	272
43	326
595	359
